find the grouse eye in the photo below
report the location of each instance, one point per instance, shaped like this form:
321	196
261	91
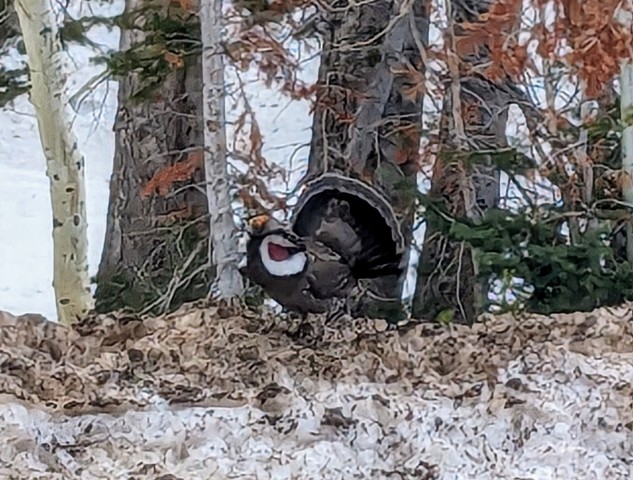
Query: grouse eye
277	252
258	222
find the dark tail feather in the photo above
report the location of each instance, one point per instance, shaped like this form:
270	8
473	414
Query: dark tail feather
374	268
332	185
368	213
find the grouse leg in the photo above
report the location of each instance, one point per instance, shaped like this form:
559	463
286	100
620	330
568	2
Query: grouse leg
339	308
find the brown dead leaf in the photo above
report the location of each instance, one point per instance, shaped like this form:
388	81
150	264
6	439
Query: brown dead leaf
175	61
187	5
163	179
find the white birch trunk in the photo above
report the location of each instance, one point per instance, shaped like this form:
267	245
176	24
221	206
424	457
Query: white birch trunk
223	239
626	116
65	164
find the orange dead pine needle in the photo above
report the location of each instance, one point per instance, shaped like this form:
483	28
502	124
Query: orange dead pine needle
163	179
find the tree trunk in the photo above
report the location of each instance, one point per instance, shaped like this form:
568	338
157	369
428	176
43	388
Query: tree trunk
9	23
65	164
155	253
368	115
473	119
626	116
228	282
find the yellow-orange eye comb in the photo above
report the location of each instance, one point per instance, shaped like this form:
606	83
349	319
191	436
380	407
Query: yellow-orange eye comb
258	222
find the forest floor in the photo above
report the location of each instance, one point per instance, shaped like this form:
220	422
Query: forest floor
207	394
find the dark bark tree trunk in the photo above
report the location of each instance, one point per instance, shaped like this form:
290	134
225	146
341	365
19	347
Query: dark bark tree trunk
447	286
368	115
156	247
9	25
13	80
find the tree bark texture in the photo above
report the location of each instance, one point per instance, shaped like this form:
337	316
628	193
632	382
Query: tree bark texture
474	118
368	114
9	23
64	162
228	282
155	255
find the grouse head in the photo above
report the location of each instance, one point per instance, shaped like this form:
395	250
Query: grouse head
280	252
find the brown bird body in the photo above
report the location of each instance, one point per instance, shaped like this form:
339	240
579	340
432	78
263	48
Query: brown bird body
342	231
301	275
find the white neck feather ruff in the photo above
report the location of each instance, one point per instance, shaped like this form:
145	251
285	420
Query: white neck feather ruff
290	266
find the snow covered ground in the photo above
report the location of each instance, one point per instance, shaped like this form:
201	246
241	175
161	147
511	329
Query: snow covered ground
196	395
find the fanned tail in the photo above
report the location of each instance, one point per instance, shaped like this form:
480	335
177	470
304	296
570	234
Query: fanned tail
353	219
